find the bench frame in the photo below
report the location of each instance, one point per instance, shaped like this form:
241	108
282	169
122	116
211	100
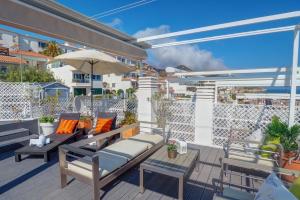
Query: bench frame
96	181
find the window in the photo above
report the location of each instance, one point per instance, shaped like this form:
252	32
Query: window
113	85
42	45
3	69
97	77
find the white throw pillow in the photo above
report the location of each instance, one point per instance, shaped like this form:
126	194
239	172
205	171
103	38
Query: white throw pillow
256	136
273	189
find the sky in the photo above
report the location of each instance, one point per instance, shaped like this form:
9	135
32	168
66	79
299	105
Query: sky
162	16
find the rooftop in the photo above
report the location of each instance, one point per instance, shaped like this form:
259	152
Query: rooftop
33	179
11	60
29	53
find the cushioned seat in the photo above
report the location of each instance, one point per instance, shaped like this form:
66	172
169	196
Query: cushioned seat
128	149
108	162
148	139
251	157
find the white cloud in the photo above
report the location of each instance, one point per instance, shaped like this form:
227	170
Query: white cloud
116	22
189	55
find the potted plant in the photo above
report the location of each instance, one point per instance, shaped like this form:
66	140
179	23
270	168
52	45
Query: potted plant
172	149
85	122
129	118
287	136
47	125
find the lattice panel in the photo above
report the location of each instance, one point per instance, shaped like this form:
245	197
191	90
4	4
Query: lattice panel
15	101
109	105
181	121
249	117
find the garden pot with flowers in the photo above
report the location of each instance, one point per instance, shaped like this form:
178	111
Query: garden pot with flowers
172	149
85	123
129	118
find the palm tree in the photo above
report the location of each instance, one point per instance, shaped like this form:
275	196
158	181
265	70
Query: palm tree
52	49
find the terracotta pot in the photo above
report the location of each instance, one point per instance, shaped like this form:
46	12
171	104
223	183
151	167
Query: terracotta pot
172	154
130	132
295	165
85	123
289	154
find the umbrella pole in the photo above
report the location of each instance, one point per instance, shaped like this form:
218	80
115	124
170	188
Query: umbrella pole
92	104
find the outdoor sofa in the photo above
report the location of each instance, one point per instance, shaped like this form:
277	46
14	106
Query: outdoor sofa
100	168
55	140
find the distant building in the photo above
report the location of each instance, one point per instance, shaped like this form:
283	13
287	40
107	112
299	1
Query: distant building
78	82
53	89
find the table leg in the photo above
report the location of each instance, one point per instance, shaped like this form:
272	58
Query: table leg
180	189
46	157
198	162
142	188
17	157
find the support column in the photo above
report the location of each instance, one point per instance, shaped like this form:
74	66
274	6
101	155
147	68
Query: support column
293	77
204	105
147	87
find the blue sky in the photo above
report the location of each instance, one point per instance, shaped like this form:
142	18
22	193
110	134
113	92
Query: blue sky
174	15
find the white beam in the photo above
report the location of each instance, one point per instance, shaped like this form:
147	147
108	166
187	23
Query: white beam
237	71
224	25
227	36
294	77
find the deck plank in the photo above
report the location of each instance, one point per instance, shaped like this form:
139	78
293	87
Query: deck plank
33	179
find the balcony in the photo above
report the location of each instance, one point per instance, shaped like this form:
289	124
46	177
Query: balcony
81	81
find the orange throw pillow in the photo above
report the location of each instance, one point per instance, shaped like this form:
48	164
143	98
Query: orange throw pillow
66	126
103	125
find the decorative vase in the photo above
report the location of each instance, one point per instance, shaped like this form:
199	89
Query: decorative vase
47	128
172	154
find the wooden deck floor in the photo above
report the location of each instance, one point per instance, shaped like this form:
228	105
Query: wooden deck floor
32	179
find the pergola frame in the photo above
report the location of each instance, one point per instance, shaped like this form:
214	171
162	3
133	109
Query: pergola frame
269	76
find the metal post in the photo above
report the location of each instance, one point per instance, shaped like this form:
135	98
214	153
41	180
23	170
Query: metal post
92	72
293	77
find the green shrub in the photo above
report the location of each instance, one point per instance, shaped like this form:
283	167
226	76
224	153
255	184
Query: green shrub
47	119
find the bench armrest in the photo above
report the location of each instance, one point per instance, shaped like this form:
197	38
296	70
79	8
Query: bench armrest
68	148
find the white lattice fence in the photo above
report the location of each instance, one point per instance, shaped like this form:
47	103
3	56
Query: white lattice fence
15	101
109	105
182	120
246	117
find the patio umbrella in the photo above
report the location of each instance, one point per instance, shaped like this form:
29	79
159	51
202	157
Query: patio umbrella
92	61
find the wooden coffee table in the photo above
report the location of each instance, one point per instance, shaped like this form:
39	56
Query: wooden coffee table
178	167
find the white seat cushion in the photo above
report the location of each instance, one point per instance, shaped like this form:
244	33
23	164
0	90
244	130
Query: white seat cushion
108	162
149	139
127	149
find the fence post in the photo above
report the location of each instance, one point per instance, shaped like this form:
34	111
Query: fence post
204	106
147	87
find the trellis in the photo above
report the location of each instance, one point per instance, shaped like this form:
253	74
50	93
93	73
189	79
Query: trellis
181	121
229	117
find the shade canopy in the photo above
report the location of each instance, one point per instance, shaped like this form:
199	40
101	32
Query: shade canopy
102	62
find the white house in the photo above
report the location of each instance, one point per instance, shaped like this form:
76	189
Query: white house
78	82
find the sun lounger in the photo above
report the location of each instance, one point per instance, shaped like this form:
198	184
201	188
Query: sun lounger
99	168
55	140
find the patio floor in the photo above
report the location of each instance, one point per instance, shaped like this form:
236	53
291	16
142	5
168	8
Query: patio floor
32	179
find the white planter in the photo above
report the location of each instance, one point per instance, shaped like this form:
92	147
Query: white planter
47	128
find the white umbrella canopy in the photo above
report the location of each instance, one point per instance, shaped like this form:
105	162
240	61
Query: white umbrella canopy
102	62
93	62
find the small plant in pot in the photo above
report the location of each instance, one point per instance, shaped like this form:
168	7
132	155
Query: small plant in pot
47	125
130	118
85	122
172	149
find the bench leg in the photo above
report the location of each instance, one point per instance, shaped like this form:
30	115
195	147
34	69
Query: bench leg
180	189
46	157
142	188
17	157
